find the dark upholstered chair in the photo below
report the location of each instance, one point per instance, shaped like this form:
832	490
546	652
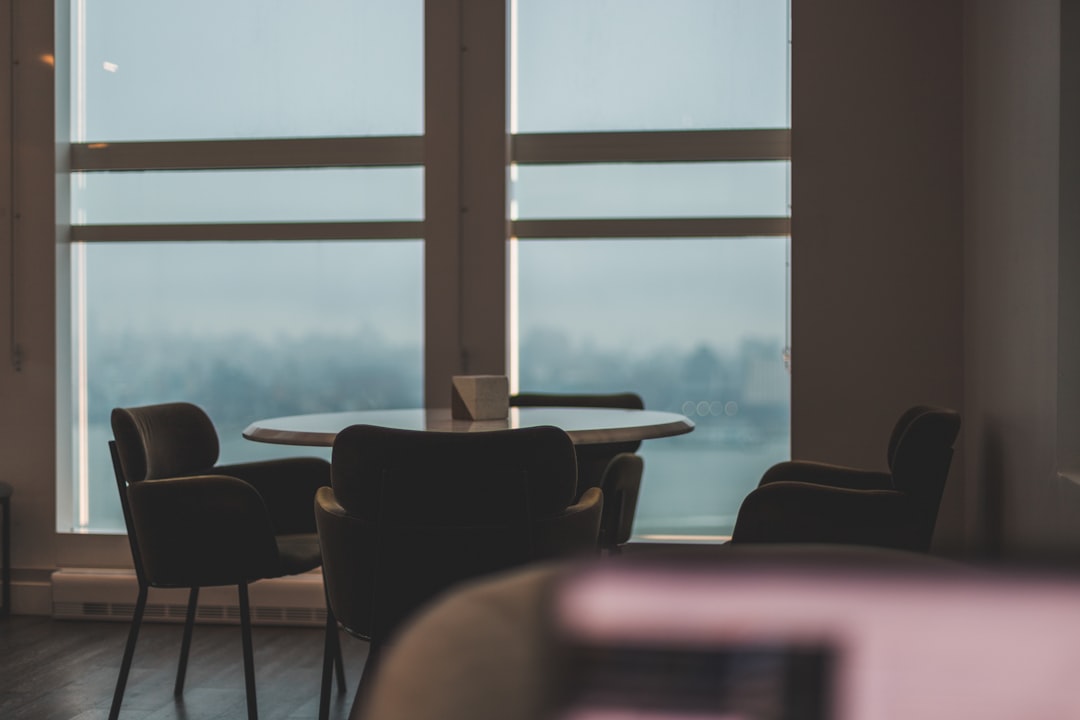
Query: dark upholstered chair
802	501
192	523
413	513
613	467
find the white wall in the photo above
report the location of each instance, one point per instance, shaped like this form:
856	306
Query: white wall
934	245
27	407
877	231
1068	392
1012	237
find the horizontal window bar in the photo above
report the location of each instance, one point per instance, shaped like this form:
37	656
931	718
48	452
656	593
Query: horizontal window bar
411	230
389	230
232	154
673	146
651	228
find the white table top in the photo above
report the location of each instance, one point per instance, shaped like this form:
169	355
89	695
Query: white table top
585	426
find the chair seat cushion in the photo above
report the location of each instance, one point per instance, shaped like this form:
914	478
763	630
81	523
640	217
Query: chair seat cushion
298	553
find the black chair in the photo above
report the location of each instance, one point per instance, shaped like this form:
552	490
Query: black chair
192	523
613	467
413	513
803	501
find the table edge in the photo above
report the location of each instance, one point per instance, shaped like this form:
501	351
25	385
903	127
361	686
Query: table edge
679	425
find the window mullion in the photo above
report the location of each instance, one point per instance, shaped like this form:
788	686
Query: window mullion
466	151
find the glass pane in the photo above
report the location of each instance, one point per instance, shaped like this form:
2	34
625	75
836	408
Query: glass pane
324	194
693	326
744	189
594	65
247	331
205	69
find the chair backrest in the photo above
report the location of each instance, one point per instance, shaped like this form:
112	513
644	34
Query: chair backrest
226	545
624	400
619	401
901	426
920	453
156	441
421	511
593	460
167	440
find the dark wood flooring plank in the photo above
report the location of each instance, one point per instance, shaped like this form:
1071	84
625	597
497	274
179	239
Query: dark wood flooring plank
66	670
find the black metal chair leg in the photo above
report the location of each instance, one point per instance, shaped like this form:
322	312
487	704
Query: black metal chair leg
330	643
129	653
185	646
339	663
249	655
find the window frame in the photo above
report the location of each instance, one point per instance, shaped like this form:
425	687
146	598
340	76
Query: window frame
467	152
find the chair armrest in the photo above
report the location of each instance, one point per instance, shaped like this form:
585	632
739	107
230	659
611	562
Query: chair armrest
791	512
202	530
818	473
574	531
287	486
348	563
621	485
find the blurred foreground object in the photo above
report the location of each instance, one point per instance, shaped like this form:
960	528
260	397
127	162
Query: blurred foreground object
755	632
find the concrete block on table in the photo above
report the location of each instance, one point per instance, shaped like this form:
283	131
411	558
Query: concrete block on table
480	397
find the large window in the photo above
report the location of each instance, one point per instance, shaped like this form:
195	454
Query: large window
274	210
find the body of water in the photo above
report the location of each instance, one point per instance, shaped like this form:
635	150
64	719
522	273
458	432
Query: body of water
689	487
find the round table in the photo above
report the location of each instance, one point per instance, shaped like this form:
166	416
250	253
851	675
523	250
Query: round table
585	426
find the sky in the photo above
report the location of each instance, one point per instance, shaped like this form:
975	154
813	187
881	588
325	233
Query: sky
346	67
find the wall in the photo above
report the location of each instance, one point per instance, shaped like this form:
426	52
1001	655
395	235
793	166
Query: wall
1012	217
27	407
876	227
1068	392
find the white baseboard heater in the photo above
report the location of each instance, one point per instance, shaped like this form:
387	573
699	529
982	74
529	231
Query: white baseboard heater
86	594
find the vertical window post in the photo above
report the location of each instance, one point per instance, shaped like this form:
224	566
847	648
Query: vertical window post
467	150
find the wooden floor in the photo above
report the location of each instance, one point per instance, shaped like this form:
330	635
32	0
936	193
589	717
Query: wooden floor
66	670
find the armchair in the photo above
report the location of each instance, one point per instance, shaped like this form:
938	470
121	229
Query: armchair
192	523
804	501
